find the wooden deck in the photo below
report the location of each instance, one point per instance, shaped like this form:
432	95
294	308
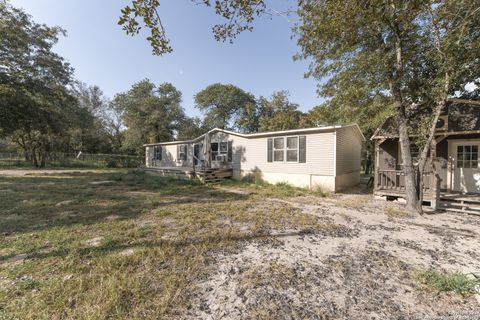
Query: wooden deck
205	175
459	202
449	201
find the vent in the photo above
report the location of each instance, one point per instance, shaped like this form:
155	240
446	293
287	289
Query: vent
442	124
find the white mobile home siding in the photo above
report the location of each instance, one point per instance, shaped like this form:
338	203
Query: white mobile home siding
348	157
317	170
332	157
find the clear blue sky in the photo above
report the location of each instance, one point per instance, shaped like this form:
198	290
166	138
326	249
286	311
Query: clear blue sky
101	53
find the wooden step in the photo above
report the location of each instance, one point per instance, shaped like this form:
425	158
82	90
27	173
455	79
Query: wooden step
477	213
459	205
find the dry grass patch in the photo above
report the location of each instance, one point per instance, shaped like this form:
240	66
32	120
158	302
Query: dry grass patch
398	213
130	248
355	202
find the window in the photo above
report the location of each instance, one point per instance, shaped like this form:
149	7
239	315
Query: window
278	149
292	149
219	151
467	156
182	152
157	153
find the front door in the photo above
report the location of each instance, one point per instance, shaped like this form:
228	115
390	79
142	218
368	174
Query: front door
196	153
466	173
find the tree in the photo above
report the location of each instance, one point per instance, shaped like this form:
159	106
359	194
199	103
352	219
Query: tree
222	102
279	113
417	53
35	103
150	113
90	134
190	128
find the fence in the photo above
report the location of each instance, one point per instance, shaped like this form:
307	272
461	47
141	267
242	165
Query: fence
57	159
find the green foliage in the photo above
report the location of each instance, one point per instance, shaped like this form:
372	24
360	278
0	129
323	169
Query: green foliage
36	103
364	51
151	113
279	113
190	128
221	102
455	282
239	14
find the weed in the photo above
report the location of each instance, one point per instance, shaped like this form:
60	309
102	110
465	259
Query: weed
456	282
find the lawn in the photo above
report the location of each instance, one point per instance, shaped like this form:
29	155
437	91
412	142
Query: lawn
117	244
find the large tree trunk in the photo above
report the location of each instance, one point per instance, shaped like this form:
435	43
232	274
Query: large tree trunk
412	195
411	192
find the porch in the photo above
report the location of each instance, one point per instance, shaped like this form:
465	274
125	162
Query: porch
390	184
205	175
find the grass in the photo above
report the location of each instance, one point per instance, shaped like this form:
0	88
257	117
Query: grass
394	212
123	244
456	282
280	189
67	163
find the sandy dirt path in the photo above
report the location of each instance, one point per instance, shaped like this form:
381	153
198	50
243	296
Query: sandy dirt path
363	271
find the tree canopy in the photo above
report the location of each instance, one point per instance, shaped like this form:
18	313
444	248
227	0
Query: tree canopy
35	100
151	113
222	102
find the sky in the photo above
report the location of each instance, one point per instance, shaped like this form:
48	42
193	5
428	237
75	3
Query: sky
259	62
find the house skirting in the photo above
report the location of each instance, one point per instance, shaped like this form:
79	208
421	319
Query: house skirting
327	183
347	180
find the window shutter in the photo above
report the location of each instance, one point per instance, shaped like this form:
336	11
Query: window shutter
302	149
230	151
185	146
178	153
269	149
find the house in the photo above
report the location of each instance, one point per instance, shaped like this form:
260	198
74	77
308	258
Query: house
455	154
328	157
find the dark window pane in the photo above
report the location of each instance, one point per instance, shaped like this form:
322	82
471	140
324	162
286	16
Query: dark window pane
460	149
475	156
278	143
459	164
214	146
223	147
292	142
474	148
292	155
474	164
278	155
460	157
467	149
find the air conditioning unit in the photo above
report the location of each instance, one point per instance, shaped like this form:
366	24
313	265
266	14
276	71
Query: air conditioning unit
221	158
442	124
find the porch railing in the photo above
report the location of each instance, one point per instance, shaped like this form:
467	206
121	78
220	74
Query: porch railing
394	180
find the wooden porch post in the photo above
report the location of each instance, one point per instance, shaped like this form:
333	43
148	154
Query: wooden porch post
435	188
377	165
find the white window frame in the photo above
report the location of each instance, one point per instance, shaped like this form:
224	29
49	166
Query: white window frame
184	152
219	153
285	149
275	149
464	153
155	153
292	149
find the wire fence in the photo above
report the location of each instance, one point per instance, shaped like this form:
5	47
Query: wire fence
58	159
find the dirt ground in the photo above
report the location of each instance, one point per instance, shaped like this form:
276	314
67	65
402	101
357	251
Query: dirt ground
363	270
100	244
